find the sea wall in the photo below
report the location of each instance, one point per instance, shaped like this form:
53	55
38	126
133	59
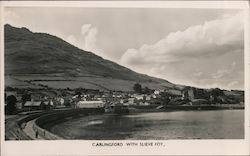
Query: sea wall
43	124
26	119
45	133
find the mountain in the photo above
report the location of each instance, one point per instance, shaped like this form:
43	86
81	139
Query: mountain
40	59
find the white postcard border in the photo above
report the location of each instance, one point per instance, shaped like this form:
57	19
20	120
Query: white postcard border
171	147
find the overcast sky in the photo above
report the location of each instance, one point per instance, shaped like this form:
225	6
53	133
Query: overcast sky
197	47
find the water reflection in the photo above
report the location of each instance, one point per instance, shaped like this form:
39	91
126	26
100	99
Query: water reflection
227	124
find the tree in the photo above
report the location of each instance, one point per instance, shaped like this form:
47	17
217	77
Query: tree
164	98
8	88
25	97
67	102
11	104
137	88
43	106
217	92
78	91
147	90
64	93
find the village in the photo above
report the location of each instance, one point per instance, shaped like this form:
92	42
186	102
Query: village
17	100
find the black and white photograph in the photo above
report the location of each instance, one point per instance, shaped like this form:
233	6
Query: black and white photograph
80	73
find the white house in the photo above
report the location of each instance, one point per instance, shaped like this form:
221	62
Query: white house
139	97
144	103
148	98
174	92
154	96
156	92
131	101
89	104
33	105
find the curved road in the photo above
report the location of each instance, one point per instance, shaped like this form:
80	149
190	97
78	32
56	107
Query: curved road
28	129
25	131
12	130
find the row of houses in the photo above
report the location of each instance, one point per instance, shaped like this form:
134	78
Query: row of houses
176	95
81	101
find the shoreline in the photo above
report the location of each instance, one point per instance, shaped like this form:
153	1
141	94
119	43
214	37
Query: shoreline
186	108
65	116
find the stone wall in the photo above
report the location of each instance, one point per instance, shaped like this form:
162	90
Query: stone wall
45	122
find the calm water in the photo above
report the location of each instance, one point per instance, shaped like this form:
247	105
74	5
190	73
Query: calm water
223	124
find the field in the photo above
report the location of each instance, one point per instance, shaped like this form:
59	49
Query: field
88	82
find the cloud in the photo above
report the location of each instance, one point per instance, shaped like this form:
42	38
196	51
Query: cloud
223	73
90	40
198	74
220	74
233	84
206	55
230	77
87	40
211	39
85	28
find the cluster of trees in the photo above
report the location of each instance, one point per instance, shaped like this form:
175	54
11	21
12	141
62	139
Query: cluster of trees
201	94
25	97
139	89
216	95
11	101
80	91
10	107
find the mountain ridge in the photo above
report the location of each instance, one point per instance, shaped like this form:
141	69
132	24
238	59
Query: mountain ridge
28	54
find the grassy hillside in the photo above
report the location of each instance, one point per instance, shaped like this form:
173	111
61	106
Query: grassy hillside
45	59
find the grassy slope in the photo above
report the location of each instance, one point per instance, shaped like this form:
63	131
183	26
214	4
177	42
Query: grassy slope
39	56
84	82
